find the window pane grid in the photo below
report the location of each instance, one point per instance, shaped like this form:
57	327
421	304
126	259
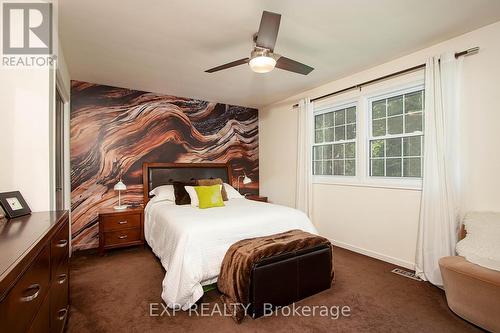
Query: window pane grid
335	159
397	136
387	156
386	113
334	147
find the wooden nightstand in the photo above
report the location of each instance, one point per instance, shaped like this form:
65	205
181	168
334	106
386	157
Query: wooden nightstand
255	197
120	228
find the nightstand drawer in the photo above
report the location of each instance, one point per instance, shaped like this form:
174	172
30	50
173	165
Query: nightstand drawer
120	228
124	236
119	222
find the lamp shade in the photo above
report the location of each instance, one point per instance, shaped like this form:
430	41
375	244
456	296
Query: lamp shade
246	180
120	186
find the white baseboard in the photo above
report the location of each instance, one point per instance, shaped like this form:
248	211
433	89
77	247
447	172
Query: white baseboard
376	255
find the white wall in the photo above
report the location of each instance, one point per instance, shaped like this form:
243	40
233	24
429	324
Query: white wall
27	99
25	140
383	222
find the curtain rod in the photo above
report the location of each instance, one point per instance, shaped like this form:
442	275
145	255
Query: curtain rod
467	52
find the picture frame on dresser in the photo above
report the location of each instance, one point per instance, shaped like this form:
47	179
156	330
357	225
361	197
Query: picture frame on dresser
13	204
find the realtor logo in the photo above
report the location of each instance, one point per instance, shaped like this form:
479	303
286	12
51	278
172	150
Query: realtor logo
27	28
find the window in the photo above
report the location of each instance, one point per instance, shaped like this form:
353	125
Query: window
334	149
371	137
396	135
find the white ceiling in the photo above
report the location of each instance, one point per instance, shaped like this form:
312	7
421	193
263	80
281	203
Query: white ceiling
165	46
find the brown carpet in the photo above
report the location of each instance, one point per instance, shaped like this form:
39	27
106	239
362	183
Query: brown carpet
112	294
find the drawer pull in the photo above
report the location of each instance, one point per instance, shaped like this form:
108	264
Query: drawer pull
122	222
62	243
122	237
34	290
61	278
61	314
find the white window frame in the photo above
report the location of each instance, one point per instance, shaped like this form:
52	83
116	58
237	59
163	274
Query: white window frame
345	104
361	99
411	182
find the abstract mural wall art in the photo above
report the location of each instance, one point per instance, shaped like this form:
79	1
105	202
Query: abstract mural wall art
114	130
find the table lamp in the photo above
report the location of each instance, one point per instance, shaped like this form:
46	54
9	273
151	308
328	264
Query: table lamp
246	180
120	186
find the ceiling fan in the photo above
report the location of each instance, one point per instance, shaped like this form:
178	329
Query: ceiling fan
262	58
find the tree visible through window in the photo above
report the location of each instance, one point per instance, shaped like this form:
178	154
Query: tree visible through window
334	149
396	142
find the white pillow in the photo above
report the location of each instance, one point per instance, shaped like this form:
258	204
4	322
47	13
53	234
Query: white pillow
192	195
481	246
195	202
231	192
158	199
164	192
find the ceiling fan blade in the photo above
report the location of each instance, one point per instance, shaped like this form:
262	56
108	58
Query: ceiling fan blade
293	66
228	65
268	30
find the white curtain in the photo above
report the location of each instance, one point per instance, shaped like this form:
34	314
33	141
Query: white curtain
303	198
439	210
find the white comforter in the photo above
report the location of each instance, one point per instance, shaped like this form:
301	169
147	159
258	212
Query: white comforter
191	242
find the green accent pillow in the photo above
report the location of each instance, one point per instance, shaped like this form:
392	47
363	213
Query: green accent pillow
209	196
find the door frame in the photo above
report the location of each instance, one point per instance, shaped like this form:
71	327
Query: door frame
64	93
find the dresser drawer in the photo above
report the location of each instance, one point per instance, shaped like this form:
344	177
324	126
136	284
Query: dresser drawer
119	237
41	323
59	247
22	303
119	222
59	298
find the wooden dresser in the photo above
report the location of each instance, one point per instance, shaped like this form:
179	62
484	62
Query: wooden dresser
34	273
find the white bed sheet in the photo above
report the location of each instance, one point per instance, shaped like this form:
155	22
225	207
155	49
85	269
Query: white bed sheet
191	242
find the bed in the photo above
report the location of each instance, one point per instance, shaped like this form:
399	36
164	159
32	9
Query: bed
191	242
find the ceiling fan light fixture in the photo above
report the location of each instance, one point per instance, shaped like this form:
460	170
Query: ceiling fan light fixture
262	64
262	57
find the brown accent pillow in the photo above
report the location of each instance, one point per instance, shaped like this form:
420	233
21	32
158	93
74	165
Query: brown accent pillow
214	181
180	193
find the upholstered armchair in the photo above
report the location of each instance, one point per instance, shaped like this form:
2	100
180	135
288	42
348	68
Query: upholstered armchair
473	290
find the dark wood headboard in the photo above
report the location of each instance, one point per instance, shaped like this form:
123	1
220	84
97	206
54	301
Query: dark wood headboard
157	174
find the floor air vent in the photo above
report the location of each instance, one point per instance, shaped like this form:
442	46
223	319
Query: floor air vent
405	273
